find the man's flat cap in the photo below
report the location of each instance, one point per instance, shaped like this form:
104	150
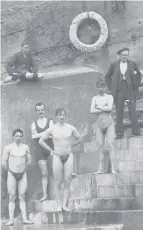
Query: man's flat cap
123	49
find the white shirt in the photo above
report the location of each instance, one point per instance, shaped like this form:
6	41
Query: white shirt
123	67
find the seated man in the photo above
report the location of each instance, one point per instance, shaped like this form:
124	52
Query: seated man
21	66
16	158
101	106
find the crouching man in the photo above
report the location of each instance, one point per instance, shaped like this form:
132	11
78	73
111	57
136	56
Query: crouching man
21	66
15	159
101	106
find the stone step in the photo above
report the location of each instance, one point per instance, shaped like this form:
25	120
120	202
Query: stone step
126	217
101	204
72	226
113	186
126	160
99	227
88	186
115	191
119	178
129	143
98	204
129	166
134	154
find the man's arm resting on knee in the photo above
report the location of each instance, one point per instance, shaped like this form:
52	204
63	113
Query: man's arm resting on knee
43	139
76	135
93	108
5	157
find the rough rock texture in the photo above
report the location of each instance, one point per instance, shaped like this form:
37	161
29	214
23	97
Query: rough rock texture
46	26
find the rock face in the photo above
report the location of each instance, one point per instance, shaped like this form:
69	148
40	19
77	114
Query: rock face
46	26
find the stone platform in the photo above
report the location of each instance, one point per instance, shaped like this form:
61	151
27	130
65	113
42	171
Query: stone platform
69	227
104	198
127	220
128	156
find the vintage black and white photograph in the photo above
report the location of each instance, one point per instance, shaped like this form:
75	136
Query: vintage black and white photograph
71	115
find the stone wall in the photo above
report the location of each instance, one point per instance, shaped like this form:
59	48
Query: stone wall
46	26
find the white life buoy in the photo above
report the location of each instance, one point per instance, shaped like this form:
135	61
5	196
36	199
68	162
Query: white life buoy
74	27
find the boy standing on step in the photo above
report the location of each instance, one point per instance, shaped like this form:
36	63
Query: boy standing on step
101	106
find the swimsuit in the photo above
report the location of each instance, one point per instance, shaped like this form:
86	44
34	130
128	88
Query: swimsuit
64	158
17	157
41	153
17	176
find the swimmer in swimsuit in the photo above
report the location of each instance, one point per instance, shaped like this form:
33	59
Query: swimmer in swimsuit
62	134
101	107
16	158
37	129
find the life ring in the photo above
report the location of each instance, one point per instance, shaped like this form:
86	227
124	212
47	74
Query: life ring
74	27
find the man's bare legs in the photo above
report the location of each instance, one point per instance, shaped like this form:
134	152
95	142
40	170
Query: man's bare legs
110	138
44	172
68	170
22	188
58	176
100	137
11	187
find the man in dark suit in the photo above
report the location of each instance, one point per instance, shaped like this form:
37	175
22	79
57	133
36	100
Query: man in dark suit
123	80
21	66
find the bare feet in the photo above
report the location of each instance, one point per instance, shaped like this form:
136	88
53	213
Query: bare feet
114	171
44	198
25	221
40	75
59	206
98	172
18	80
7	79
74	175
65	208
10	223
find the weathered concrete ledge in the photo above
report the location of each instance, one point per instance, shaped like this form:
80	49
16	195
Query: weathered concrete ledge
132	218
97	204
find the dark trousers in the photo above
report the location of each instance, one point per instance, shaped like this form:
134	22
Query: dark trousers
22	76
125	93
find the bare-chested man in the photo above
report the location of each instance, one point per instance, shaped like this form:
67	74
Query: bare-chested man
62	134
16	158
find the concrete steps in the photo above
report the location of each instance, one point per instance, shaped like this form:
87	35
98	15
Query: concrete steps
128	155
74	227
130	219
100	192
97	204
89	185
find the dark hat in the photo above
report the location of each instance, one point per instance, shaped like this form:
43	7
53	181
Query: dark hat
123	49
